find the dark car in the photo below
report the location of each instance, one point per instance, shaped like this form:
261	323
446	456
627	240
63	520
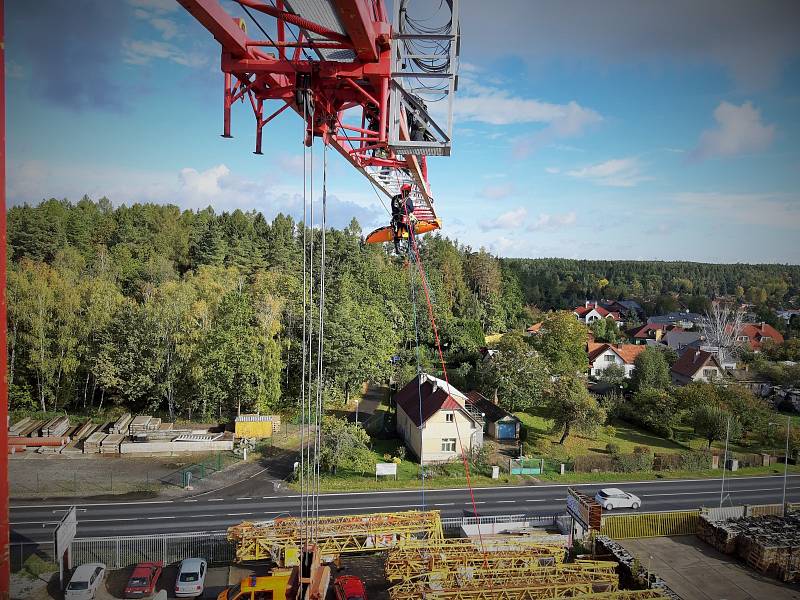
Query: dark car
349	587
143	580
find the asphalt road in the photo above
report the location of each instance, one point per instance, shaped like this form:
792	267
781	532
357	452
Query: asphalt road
215	512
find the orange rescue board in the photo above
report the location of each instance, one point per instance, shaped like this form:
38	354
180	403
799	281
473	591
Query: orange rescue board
386	234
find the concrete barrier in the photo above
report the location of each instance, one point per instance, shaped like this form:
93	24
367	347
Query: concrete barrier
169	447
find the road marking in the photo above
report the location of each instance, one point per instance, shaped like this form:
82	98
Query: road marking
237	514
244	498
505	501
446	504
190	500
215	499
710	492
257	474
157	518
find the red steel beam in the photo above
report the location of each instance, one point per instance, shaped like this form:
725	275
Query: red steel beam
359	20
5	563
222	26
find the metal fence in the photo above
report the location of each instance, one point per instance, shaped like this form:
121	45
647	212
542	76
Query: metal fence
119	551
19	552
679	522
736	512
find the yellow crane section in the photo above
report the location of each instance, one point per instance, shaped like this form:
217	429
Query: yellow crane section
410	560
597	572
557	586
280	539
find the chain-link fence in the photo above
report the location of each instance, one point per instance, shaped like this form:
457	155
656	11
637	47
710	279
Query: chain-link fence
20	552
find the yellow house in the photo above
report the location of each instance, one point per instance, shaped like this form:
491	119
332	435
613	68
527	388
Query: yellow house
437	421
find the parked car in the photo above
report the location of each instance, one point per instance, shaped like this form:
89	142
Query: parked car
349	587
85	581
611	498
143	580
191	577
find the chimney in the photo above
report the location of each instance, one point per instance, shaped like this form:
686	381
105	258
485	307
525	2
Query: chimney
696	354
762	324
586	304
495	399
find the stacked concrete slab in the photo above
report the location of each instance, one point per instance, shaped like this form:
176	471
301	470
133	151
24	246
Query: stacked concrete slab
55	427
91	445
122	424
110	443
19	426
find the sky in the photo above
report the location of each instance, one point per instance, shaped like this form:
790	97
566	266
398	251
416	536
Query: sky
610	130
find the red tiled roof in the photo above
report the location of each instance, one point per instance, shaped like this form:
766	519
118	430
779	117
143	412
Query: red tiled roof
535	327
408	399
691	361
627	352
757	331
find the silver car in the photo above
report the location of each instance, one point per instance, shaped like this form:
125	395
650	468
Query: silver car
85	581
191	578
611	498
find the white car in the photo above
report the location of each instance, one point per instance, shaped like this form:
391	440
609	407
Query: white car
191	577
85	581
610	498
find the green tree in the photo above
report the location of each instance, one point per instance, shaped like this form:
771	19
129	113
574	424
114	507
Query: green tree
651	370
712	423
572	407
517	375
606	330
562	342
613	375
344	446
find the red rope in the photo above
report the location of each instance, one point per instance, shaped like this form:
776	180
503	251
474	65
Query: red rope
413	240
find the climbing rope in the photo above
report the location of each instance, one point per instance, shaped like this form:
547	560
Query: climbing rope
419	367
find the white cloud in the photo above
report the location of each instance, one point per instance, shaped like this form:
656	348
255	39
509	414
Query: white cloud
167	27
206	182
617	172
141	52
497	192
554	221
739	130
163	6
773	210
552	170
513	219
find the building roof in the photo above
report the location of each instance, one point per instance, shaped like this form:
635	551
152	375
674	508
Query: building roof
627	352
648	330
678	338
431	392
491	411
675	317
742	376
582	311
758	331
691	361
535	328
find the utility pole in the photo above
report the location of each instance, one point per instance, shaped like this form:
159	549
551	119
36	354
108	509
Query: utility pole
724	461
786	463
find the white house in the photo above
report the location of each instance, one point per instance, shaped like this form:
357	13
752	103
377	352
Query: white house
591	312
436	420
696	365
601	356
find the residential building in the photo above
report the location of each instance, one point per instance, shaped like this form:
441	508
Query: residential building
754	335
601	356
499	423
787	314
534	329
435	420
651	331
757	383
695	365
687	319
592	311
679	340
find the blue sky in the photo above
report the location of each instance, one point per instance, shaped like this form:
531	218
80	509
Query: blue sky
618	129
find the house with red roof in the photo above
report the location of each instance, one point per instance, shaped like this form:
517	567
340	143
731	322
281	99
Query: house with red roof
696	365
592	311
604	355
651	331
756	334
435	420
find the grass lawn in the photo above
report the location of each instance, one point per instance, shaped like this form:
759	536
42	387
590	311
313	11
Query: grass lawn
625	435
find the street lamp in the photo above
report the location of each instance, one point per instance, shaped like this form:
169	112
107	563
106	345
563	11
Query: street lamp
785	461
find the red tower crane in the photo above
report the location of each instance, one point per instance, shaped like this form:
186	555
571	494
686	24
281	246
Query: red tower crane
360	83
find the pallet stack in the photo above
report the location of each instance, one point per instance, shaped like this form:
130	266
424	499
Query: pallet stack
91	445
122	424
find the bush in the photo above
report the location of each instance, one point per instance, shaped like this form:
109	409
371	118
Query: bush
695	461
387	457
640	460
400	452
593	462
397	460
610	431
612	448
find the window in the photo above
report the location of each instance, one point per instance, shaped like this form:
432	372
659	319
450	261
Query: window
449	417
709	373
743	338
448	444
609	358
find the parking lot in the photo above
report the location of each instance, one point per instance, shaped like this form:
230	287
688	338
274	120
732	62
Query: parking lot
696	571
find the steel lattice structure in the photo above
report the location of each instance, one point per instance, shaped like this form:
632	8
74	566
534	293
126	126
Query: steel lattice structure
342	66
335	535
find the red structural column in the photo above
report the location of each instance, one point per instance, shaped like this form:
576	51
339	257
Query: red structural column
5	566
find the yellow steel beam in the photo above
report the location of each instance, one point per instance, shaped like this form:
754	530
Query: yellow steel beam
333	535
515	590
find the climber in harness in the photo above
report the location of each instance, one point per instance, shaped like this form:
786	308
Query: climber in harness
403	219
